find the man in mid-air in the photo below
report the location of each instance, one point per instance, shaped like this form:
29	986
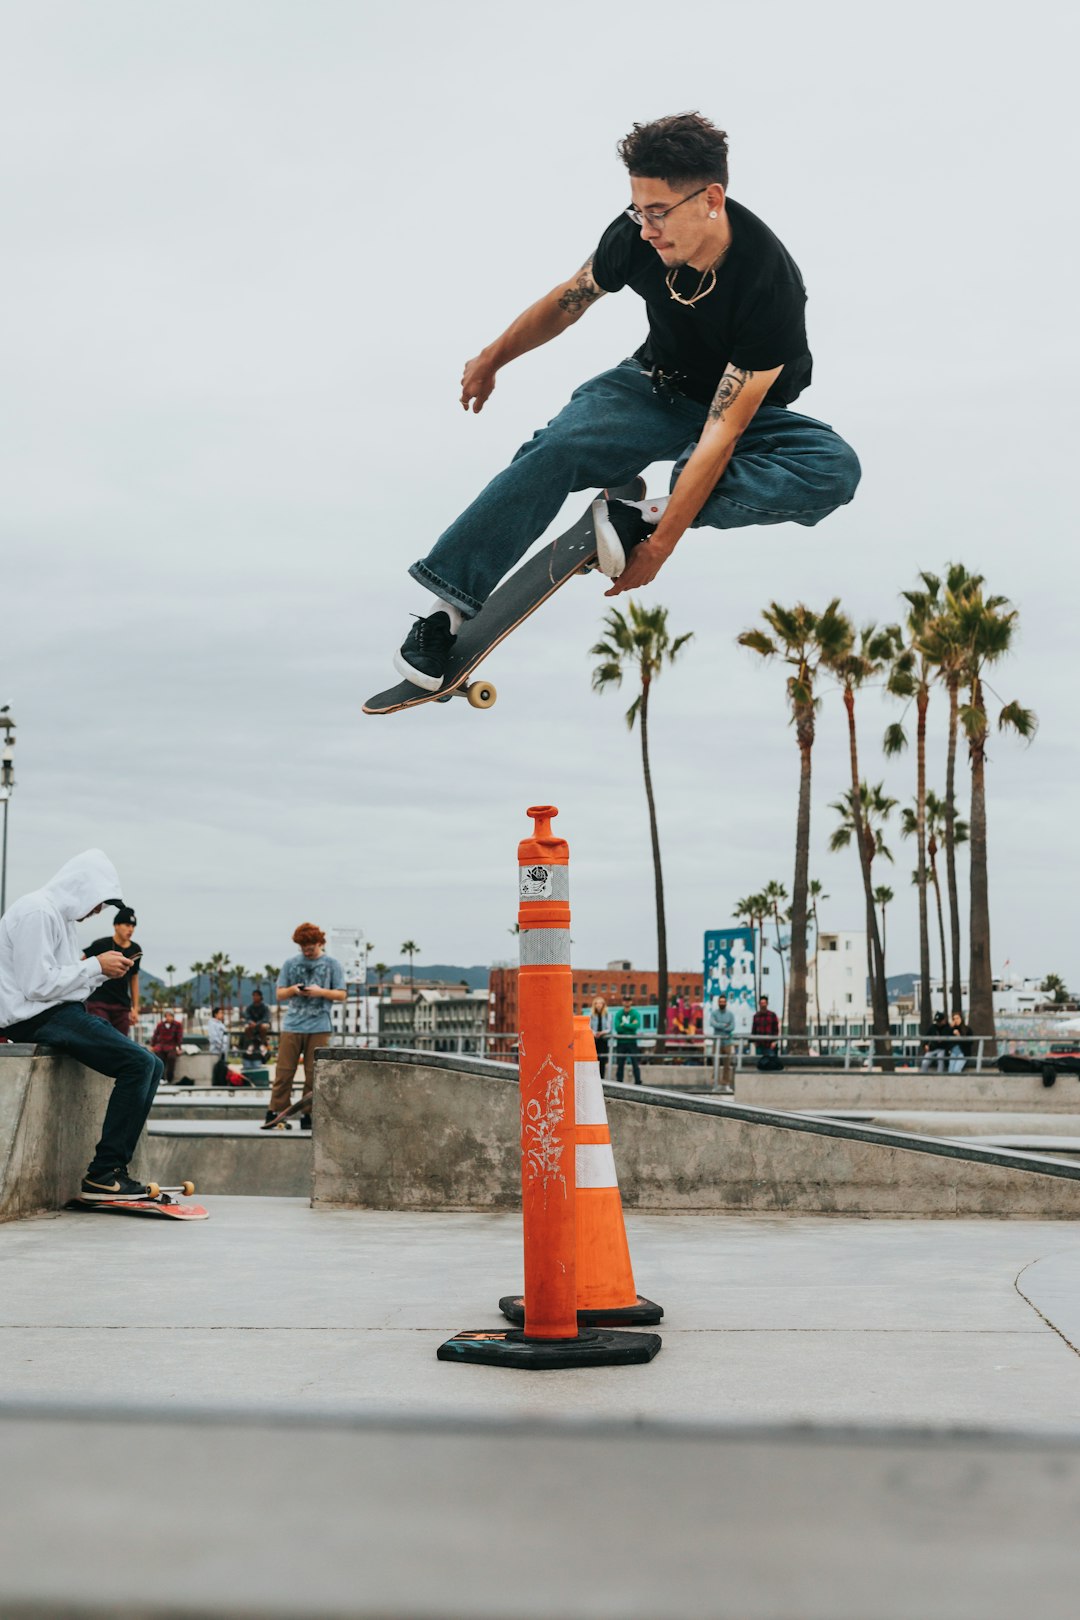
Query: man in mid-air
710	389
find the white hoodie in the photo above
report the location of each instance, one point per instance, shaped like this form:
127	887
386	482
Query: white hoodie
40	964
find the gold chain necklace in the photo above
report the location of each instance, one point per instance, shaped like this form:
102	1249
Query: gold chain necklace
701	291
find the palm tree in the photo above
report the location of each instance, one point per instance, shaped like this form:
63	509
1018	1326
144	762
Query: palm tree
816	892
170	969
1055	987
218	968
935	831
239	973
198	969
883	896
802	640
773	893
984	628
946	652
910	677
410	949
862	821
853	669
640	640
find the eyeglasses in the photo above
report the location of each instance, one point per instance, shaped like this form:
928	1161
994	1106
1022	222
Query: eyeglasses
657	216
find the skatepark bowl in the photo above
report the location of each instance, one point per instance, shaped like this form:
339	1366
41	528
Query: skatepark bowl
867	1406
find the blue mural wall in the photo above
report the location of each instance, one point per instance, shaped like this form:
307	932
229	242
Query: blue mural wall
729	971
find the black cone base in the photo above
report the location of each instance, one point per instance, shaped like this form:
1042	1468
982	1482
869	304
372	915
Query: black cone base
505	1347
645	1313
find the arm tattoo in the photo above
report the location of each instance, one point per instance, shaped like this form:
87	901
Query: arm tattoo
576	299
731	386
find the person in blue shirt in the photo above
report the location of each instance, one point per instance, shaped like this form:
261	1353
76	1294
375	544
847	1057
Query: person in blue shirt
307	984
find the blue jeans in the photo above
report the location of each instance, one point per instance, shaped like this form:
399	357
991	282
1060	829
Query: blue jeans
786	469
75	1032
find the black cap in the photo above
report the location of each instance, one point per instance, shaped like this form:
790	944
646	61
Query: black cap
124	914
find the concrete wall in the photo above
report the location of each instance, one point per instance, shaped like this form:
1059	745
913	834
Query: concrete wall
51	1110
406	1131
275	1165
908	1090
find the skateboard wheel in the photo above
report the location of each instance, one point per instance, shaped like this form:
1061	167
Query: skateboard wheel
187	1188
152	1189
481	694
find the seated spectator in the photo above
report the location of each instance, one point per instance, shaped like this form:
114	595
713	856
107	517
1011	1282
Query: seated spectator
258	1012
935	1046
255	1046
959	1043
165	1042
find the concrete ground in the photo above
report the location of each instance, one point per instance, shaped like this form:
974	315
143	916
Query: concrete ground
271	1304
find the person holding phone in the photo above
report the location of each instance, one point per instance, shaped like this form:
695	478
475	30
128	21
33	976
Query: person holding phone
117	1000
307	985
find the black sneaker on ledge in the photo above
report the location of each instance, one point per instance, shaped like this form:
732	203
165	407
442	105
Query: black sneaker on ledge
305	1122
424	654
619	527
108	1184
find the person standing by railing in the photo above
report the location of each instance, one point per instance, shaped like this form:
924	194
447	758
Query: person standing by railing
627	1029
600	1024
722	1029
959	1036
766	1030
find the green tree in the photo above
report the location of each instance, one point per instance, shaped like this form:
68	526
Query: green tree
862	662
198	969
862	822
884	897
935	832
984	627
910	677
239	974
775	895
753	910
410	949
816	893
272	975
1055	987
802	640
640	641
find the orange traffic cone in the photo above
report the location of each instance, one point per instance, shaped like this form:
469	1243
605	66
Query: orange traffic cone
606	1296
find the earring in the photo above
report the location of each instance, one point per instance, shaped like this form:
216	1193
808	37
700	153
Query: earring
712	213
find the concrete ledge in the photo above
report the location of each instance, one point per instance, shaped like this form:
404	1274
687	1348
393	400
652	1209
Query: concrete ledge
403	1519
51	1110
244	1161
409	1131
907	1090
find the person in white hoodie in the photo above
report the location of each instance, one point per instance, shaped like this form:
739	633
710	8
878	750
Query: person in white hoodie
44	982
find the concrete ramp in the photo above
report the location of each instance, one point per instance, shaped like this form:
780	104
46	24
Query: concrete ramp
51	1110
404	1130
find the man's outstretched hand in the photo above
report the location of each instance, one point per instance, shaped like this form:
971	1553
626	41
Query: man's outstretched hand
477	383
646	561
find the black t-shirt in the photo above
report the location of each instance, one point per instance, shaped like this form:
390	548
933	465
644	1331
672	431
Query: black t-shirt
753	318
117	992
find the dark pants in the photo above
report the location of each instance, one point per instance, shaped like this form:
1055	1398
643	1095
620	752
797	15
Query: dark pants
72	1030
111	1012
168	1055
627	1050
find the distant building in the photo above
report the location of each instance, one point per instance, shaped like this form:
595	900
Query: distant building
837	971
617	979
446	1018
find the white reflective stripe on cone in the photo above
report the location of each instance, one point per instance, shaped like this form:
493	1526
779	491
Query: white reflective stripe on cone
545	947
588	1095
595	1165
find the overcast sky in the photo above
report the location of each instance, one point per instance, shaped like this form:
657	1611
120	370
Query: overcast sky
249	245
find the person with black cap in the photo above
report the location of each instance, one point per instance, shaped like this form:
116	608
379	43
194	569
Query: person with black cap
44	981
117	1000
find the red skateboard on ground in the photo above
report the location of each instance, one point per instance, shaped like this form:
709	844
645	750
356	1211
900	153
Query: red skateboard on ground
279	1120
158	1201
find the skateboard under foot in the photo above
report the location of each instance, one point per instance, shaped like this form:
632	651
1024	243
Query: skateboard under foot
515	600
279	1121
159	1201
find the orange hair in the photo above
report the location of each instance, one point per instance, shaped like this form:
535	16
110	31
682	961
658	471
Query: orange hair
309	934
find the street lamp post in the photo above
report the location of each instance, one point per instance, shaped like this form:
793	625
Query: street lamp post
7	787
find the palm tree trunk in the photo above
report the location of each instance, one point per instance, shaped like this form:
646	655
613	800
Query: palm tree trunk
661	921
941	926
980	972
817	972
950	845
796	1013
920	833
875	961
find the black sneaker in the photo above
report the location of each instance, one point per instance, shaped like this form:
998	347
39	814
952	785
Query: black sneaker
619	527
305	1122
424	654
107	1184
271	1115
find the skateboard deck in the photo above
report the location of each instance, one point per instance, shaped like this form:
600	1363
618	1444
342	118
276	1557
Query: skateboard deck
160	1202
519	596
301	1107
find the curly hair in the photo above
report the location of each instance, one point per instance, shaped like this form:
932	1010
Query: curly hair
309	934
683	150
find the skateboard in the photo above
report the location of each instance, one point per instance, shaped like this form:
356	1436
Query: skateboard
158	1201
518	597
301	1107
